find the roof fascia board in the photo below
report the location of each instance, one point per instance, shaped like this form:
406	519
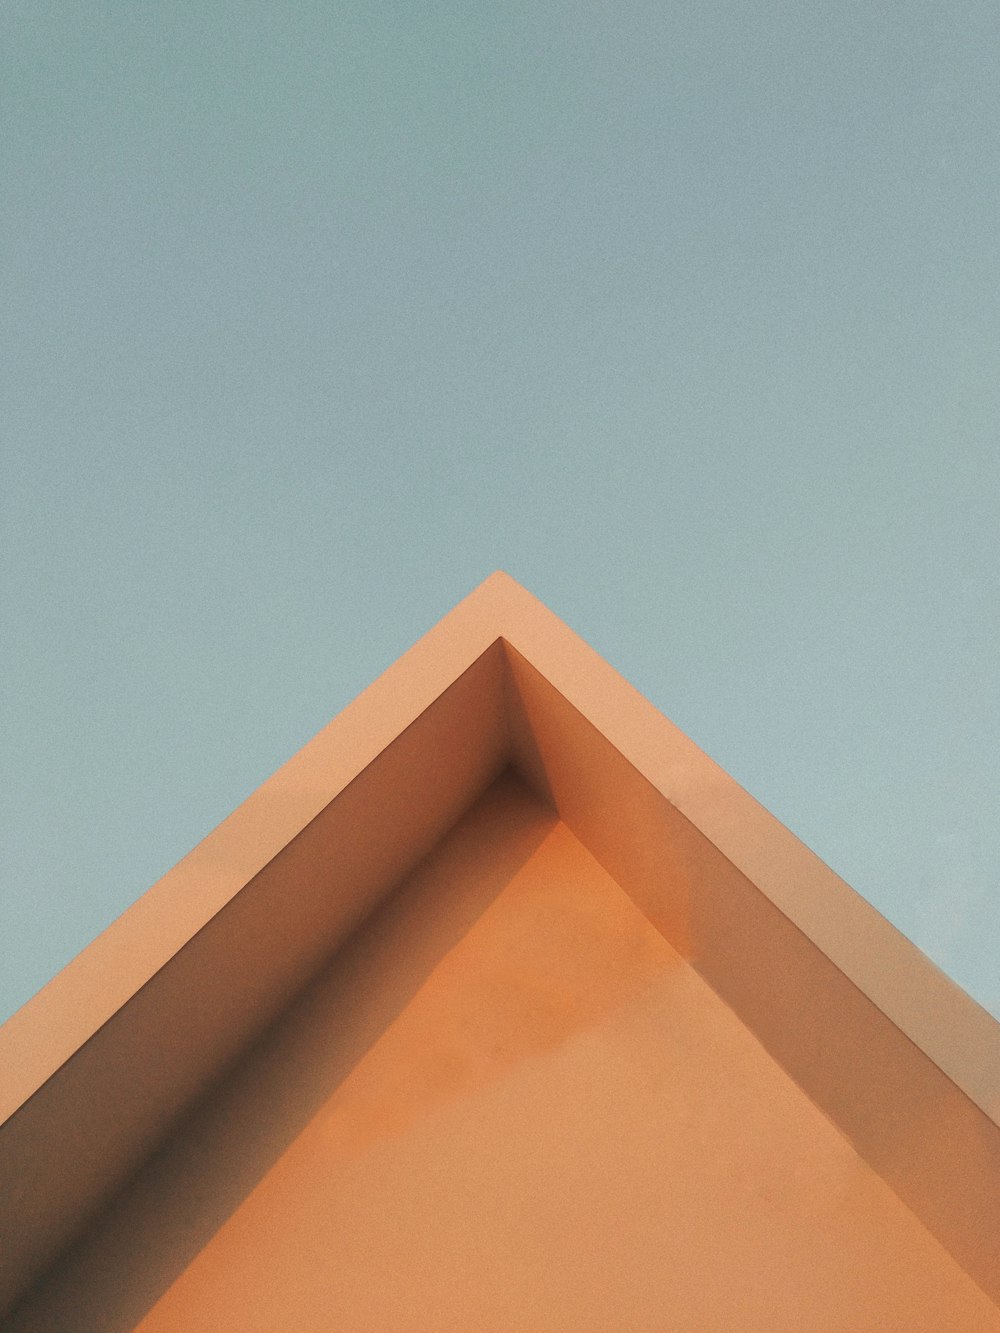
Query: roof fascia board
195	912
904	1115
936	1014
66	1013
100	1064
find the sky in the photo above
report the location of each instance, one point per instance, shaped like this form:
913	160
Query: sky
685	315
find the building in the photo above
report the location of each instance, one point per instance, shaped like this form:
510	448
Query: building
500	1007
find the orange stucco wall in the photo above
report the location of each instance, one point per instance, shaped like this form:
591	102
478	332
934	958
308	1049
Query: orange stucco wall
621	1054
508	1103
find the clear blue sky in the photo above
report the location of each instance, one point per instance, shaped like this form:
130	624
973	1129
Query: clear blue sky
688	315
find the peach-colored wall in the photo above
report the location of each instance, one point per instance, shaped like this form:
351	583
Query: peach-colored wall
139	1036
509	1103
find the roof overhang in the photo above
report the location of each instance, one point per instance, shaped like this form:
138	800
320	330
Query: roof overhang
100	1064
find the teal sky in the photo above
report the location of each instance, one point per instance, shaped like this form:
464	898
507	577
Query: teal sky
315	314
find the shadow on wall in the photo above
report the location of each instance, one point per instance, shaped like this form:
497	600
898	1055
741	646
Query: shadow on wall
174	1205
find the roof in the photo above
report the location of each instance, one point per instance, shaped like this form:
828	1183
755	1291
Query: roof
101	1064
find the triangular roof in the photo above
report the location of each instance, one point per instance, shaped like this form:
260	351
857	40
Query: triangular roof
101	1063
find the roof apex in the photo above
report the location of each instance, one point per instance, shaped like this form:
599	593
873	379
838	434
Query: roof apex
199	965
